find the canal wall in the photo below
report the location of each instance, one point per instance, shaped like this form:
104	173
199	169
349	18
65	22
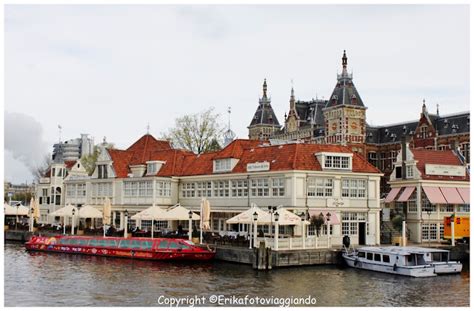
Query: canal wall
265	258
23	236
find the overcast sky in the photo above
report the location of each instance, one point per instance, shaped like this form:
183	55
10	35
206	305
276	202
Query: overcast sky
110	70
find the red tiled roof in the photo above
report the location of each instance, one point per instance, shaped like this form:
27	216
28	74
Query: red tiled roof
69	164
143	147
185	163
442	157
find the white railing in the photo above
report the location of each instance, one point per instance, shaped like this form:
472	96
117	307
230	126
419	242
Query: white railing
311	242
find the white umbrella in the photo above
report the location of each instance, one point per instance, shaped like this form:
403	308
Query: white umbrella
12	210
151	213
88	211
205	214
36	213
66	211
179	213
106	212
246	217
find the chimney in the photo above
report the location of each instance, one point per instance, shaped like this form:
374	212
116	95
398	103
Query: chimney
404	157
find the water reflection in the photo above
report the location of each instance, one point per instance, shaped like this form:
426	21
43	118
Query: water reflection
41	279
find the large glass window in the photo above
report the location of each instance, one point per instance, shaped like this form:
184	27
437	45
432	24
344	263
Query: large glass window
188	190
204	189
260	187
338	162
221	188
278	187
239	188
163	188
320	187
354	188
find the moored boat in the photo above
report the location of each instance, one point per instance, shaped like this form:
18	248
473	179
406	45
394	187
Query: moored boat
394	260
139	248
438	258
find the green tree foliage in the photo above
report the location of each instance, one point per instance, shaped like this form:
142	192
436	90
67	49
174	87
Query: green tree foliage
199	132
318	222
88	161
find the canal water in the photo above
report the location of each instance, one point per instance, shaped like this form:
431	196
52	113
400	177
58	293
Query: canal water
41	279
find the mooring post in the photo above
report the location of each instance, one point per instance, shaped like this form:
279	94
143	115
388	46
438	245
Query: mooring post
261	256
269	258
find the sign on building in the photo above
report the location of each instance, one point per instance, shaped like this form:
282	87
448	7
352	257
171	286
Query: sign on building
444	170
258	167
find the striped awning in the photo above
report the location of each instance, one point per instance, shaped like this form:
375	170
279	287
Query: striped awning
434	195
392	195
464	192
406	194
451	195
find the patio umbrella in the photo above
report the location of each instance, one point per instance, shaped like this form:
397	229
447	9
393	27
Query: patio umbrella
106	213
66	211
151	213
179	212
88	211
247	216
12	210
205	214
36	213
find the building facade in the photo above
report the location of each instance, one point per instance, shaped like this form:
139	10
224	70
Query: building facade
426	186
304	178
342	120
73	149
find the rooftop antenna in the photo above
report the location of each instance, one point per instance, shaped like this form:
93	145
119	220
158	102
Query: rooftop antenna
59	130
148	128
437	109
229	111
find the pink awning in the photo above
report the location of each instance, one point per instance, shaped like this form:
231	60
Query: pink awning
392	194
464	192
434	195
406	194
451	195
333	219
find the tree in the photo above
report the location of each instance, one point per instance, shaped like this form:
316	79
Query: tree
318	222
88	161
199	132
41	168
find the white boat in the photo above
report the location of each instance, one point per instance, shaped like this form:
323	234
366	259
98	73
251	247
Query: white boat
393	259
438	258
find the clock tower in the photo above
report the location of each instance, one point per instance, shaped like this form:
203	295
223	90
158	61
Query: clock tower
344	114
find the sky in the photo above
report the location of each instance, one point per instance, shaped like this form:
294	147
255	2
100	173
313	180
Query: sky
110	70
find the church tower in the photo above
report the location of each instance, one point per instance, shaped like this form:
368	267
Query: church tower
292	122
264	122
344	114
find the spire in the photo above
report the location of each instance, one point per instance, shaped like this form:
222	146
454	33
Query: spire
265	88
292	99
344	60
423	108
437	110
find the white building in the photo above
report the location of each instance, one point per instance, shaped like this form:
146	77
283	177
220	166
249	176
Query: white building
73	149
428	185
305	178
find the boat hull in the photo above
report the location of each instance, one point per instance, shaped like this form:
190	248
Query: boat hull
152	254
447	267
415	271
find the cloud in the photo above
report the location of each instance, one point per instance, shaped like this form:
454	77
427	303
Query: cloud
24	140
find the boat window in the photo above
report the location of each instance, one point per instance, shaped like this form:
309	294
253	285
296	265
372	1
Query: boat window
173	245
361	254
377	257
184	246
135	244
163	244
111	243
124	244
370	256
82	242
94	243
63	241
386	258
103	243
146	244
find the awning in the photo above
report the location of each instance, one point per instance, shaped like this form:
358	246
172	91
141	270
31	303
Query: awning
451	195
406	194
464	192
392	194
334	220
434	195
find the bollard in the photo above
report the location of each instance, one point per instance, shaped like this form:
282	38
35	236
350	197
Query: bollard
269	258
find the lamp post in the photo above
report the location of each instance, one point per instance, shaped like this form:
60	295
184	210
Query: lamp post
271	210
321	216
303	234
16	221
277	230
255	218
190	223
72	221
125	232
428	211
453	219
328	218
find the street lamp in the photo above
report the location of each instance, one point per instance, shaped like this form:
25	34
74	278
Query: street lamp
16	222
303	234
428	211
125	232
277	230
453	219
271	210
255	218
328	218
190	223
72	221
321	216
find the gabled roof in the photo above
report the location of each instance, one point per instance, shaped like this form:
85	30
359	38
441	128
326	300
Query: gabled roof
441	157
143	147
265	114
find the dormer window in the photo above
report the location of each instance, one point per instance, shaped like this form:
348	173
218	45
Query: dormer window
152	167
409	171
102	171
222	165
335	161
424	132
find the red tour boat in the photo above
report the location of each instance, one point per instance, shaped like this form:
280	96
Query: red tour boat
140	248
